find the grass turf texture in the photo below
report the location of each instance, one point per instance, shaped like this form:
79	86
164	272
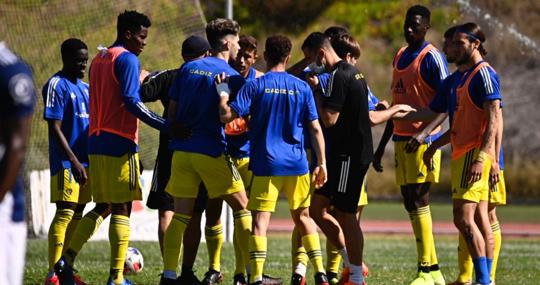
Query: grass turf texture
391	260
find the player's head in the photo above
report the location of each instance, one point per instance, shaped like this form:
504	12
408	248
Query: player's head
311	44
448	47
336	31
467	41
347	48
247	55
74	57
194	47
222	34
417	23
277	49
132	30
318	45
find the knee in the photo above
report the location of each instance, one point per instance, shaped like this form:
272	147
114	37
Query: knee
316	214
102	209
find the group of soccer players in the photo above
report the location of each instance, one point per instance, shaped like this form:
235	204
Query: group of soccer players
231	133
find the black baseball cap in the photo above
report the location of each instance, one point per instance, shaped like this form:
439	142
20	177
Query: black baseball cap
194	46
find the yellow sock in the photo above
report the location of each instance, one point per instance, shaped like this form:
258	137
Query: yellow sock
257	256
238	258
422	228
119	232
71	228
86	228
333	259
497	236
298	251
214	242
313	247
57	234
242	231
434	259
465	263
172	241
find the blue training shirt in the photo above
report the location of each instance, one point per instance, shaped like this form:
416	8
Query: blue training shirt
17	100
67	101
280	106
198	105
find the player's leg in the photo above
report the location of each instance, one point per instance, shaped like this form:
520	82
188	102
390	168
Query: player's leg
299	258
164	220
482	220
497	198
77	217
119	232
213	232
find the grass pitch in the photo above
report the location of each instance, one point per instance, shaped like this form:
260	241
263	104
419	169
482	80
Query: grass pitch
391	260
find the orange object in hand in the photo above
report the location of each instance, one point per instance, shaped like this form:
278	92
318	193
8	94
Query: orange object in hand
236	127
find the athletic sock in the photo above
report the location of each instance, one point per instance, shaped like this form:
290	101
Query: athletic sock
119	232
481	270
86	228
355	275
313	247
465	262
422	228
172	241
72	227
214	243
298	253
497	236
257	256
333	259
344	256
238	258
57	234
242	230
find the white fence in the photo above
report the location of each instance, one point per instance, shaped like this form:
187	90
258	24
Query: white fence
144	221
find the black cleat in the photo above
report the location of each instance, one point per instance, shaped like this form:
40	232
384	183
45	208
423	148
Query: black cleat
188	278
321	279
269	280
239	279
298	279
167	281
212	277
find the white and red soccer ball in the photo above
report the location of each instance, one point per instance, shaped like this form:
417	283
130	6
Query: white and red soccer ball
134	261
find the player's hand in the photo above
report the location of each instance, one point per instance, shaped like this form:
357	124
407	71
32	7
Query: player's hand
319	176
377	157
428	157
313	80
382	105
79	172
222	86
415	142
402	110
475	171
494	174
179	131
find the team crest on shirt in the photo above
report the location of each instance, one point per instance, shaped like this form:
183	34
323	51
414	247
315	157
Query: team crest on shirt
399	87
358	76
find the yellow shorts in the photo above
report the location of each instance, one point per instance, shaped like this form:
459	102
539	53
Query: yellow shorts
64	188
410	167
461	189
189	169
363	194
497	193
265	191
115	179
242	165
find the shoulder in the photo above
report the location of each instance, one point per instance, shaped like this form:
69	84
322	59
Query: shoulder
128	58
486	77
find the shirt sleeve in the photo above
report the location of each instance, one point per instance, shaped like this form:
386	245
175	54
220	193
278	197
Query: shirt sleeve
157	85
372	100
324	79
242	103
127	71
439	103
21	94
434	68
311	109
337	91
54	100
485	86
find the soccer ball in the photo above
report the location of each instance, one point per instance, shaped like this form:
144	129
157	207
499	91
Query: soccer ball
134	261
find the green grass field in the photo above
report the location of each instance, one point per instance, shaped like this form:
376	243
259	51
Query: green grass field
391	260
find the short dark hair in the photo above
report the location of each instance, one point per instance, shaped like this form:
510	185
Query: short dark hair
219	28
419	10
277	48
336	31
314	41
248	42
450	32
131	21
346	44
70	47
473	32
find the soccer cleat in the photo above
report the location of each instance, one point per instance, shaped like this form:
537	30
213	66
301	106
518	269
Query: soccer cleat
124	282
365	270
344	276
269	280
212	277
64	272
188	278
239	279
438	277
298	279
256	283
52	281
332	278
460	283
167	281
423	278
78	280
321	279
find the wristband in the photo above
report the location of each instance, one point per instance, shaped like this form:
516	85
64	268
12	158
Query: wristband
223	89
482	156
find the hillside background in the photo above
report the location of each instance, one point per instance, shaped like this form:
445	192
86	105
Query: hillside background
35	30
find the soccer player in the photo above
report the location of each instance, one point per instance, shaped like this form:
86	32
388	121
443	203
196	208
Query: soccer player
194	104
280	106
419	69
65	98
156	87
17	100
115	110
